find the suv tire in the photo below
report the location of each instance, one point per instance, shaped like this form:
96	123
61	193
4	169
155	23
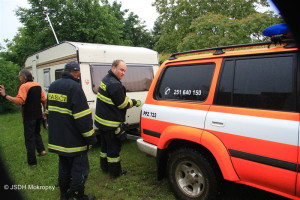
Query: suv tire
191	175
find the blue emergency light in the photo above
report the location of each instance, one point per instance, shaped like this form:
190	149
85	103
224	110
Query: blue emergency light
278	29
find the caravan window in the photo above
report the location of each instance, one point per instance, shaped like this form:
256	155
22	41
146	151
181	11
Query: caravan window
46	79
137	77
58	73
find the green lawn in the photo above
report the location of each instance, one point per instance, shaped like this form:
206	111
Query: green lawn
139	183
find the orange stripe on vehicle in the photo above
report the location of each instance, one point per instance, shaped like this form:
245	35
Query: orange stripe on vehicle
256	146
271	175
153	125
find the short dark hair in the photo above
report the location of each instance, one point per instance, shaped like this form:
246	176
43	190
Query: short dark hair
27	75
116	63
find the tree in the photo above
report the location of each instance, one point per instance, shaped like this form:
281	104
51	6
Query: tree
184	23
212	30
9	78
20	47
90	21
135	32
73	20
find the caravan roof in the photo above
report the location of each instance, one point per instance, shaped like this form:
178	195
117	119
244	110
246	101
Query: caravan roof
93	53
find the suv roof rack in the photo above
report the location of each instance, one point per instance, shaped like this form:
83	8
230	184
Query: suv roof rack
219	50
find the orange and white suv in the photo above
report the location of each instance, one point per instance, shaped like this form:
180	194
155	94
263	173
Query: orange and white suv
230	115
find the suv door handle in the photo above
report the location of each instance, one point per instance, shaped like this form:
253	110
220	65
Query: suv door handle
218	123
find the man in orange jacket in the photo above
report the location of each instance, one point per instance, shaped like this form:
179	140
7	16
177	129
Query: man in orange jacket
30	96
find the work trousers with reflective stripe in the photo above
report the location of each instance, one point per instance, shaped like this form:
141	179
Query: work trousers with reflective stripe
110	153
33	139
74	170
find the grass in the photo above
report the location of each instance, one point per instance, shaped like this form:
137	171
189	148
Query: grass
140	183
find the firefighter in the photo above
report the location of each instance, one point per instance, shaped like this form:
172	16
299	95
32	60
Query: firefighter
111	107
71	132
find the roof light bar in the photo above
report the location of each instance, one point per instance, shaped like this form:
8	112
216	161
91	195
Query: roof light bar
278	29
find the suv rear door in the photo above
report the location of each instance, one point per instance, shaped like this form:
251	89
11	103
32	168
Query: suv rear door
255	114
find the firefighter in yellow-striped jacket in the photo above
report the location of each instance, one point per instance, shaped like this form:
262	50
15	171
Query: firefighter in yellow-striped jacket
71	131
111	107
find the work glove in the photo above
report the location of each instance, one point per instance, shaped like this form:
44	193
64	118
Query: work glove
136	103
120	132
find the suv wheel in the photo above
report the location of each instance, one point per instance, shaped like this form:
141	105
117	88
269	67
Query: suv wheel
191	175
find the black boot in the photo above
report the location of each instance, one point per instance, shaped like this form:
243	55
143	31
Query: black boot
115	170
64	186
104	164
77	192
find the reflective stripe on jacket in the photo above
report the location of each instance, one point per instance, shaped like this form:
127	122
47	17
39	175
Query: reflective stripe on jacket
69	117
112	103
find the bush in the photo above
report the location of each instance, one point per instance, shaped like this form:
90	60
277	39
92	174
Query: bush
10	79
163	57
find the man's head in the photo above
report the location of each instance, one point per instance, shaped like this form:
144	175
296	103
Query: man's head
119	68
73	68
25	75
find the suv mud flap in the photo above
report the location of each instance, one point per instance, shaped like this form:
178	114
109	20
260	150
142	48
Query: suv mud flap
161	162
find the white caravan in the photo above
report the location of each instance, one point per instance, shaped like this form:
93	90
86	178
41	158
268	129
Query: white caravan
95	61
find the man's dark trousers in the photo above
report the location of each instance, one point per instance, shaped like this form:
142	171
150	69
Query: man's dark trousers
33	139
111	147
74	168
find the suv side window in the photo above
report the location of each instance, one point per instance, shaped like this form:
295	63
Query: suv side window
260	82
224	95
186	82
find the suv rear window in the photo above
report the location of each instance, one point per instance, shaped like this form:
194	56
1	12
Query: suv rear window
260	82
137	78
186	82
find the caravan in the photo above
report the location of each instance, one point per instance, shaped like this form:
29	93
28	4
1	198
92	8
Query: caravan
95	60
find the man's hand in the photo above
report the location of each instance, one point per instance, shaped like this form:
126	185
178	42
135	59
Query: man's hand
2	90
44	115
138	103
